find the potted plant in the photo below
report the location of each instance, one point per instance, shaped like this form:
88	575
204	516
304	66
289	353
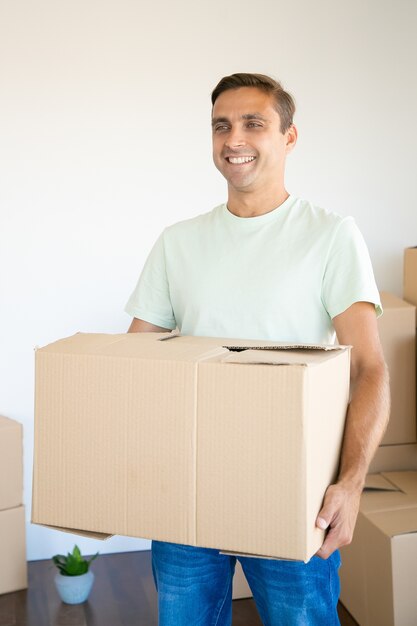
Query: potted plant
74	579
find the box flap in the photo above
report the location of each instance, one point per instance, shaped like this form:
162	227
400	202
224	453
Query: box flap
379	500
389	491
281	354
280	345
379	482
269	357
238	344
406	481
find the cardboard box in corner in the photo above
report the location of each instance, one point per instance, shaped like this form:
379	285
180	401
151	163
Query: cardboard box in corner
379	568
13	569
188	440
11	463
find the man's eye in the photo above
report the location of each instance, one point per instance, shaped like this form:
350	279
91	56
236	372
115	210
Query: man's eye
221	128
254	125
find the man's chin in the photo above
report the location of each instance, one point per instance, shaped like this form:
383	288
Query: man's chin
240	186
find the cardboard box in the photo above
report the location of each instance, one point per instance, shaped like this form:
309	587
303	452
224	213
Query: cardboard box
395	457
397	330
379	569
11	463
188	441
410	276
13	570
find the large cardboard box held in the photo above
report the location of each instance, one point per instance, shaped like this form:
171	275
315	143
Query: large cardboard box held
397	330
13	570
185	440
11	463
379	568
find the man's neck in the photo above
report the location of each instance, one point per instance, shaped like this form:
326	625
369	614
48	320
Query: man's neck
250	204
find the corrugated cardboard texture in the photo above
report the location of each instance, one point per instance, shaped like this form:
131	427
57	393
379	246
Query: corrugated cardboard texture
410	275
168	440
397	329
13	570
11	463
379	569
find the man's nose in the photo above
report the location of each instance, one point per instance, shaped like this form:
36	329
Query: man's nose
235	138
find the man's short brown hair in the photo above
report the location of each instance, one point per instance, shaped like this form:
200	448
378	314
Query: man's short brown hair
284	102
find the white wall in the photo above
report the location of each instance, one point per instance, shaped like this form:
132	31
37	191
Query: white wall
105	138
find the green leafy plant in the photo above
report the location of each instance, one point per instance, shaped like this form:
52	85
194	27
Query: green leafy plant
74	564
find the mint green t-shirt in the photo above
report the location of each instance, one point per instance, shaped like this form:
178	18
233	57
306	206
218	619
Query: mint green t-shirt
280	276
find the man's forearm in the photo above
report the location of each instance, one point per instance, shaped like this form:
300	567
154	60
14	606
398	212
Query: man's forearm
366	422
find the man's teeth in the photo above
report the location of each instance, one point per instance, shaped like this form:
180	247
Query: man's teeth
237	160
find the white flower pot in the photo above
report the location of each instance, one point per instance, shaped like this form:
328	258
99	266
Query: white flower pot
74	589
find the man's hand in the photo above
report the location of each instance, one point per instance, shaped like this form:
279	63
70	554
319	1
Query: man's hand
338	514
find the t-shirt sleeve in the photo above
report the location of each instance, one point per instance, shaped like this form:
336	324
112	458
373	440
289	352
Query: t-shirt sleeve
348	275
150	300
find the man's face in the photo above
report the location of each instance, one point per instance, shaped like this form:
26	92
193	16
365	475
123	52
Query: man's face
249	148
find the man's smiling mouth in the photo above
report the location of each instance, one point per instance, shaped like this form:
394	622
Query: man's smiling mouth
239	160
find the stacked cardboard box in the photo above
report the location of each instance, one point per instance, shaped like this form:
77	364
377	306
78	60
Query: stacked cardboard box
379	570
379	567
13	574
410	275
397	329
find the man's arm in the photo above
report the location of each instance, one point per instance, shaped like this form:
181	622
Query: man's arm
366	421
140	326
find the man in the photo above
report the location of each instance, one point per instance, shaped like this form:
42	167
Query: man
267	266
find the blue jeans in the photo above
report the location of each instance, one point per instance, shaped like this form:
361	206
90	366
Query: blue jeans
195	587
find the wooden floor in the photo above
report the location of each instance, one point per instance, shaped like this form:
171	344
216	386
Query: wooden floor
123	595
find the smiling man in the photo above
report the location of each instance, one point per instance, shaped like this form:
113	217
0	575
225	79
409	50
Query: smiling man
267	265
250	143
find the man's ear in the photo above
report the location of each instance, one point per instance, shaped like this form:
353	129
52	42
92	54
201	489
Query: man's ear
291	140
